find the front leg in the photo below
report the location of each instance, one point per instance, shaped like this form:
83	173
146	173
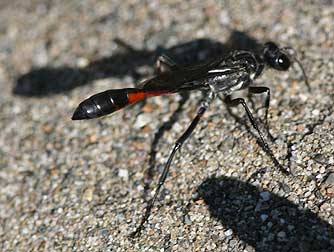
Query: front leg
263	90
263	143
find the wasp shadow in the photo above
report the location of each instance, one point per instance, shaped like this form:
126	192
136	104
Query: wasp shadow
268	223
43	81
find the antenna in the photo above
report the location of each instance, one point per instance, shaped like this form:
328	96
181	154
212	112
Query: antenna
292	53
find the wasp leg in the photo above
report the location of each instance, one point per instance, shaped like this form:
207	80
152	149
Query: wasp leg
165	64
263	143
157	137
165	171
266	90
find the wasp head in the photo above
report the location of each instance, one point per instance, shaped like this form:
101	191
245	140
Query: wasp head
281	59
275	57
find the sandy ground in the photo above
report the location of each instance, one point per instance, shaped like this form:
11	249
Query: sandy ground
83	186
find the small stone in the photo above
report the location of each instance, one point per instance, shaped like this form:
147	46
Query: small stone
286	188
271	237
88	194
47	128
319	176
307	194
199	202
281	235
41	56
123	173
264	217
325	206
233	243
265	196
249	249
315	112
82	62
148	108
105	233
330	179
322	169
55	171
187	220
229	232
331	241
299	191
142	120
224	17
93	138
330	191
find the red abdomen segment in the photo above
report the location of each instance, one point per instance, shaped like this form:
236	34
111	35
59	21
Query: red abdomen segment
109	101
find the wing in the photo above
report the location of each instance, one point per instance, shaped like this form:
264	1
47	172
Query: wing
179	78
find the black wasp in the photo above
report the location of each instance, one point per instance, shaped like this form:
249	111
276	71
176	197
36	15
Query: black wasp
219	78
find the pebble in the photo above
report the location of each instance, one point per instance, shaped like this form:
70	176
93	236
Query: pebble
264	217
142	120
281	235
330	179
123	173
233	243
265	196
228	232
88	194
249	249
82	62
187	220
322	170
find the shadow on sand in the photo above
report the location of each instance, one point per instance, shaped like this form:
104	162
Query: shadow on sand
48	80
274	224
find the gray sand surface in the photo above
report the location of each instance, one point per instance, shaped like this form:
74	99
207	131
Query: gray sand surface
83	185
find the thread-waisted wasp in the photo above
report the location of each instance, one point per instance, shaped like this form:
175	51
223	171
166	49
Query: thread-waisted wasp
219	78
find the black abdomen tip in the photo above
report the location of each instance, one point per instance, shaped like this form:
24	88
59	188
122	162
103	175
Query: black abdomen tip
86	110
79	114
102	104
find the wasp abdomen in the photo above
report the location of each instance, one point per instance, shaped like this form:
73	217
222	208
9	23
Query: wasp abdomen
111	100
102	104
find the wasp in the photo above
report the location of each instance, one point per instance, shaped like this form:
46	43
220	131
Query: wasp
220	78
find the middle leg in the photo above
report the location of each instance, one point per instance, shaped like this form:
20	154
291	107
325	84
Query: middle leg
165	171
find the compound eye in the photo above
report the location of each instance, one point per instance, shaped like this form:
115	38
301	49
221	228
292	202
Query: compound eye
282	63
